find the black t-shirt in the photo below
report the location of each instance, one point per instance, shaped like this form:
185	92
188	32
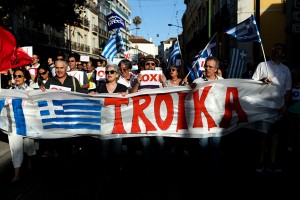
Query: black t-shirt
120	88
67	83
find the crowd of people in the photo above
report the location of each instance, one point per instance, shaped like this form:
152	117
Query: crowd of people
119	78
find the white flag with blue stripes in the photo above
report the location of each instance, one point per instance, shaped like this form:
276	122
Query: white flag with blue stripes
174	55
113	46
246	31
237	63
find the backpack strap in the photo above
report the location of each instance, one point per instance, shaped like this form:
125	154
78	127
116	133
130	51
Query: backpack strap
74	85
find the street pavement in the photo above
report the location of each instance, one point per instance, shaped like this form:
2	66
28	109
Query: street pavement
170	175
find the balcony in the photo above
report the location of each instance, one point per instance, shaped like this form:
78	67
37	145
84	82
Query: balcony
95	29
86	24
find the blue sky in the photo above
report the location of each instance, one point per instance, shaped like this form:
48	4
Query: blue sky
156	15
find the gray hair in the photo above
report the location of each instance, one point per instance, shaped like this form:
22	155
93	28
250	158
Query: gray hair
62	61
114	66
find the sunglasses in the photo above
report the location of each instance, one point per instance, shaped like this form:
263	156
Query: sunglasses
43	73
172	70
110	72
71	60
152	64
19	76
124	69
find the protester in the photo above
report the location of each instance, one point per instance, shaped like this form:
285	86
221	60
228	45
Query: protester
111	149
209	147
127	78
149	63
17	143
73	69
62	78
174	78
51	65
275	73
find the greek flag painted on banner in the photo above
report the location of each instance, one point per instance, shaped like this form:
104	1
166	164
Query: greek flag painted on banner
113	46
174	54
237	63
246	31
71	114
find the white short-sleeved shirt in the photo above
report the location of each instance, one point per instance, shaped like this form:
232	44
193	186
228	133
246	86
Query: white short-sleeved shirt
280	75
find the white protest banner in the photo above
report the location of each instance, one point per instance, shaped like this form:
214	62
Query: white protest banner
84	58
57	87
151	77
32	70
213	108
100	73
78	75
28	50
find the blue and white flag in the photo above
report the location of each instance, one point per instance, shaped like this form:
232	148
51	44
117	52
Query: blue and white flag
174	55
210	50
246	31
237	63
113	46
195	69
199	60
115	21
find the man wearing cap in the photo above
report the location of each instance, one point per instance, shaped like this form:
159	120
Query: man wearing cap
149	63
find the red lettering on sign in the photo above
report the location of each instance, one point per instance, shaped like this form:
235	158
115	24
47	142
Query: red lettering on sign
101	73
138	113
181	123
153	77
118	126
229	107
200	107
167	98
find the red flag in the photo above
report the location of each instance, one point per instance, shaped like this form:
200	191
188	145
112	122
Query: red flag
7	46
10	56
20	58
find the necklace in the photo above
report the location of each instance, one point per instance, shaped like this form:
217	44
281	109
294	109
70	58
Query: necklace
175	81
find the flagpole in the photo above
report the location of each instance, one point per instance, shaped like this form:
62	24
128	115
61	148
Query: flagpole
180	56
201	54
262	48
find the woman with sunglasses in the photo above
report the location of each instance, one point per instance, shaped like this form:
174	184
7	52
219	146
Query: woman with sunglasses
43	75
126	78
111	149
175	77
17	143
111	85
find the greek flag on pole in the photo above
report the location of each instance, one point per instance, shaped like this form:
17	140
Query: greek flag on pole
246	31
71	114
209	51
196	71
199	59
237	63
174	54
113	46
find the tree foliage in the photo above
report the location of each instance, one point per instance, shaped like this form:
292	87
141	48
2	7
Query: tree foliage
137	21
50	12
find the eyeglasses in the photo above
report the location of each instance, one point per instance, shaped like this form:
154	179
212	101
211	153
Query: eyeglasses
43	73
71	60
110	72
19	76
172	70
152	63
